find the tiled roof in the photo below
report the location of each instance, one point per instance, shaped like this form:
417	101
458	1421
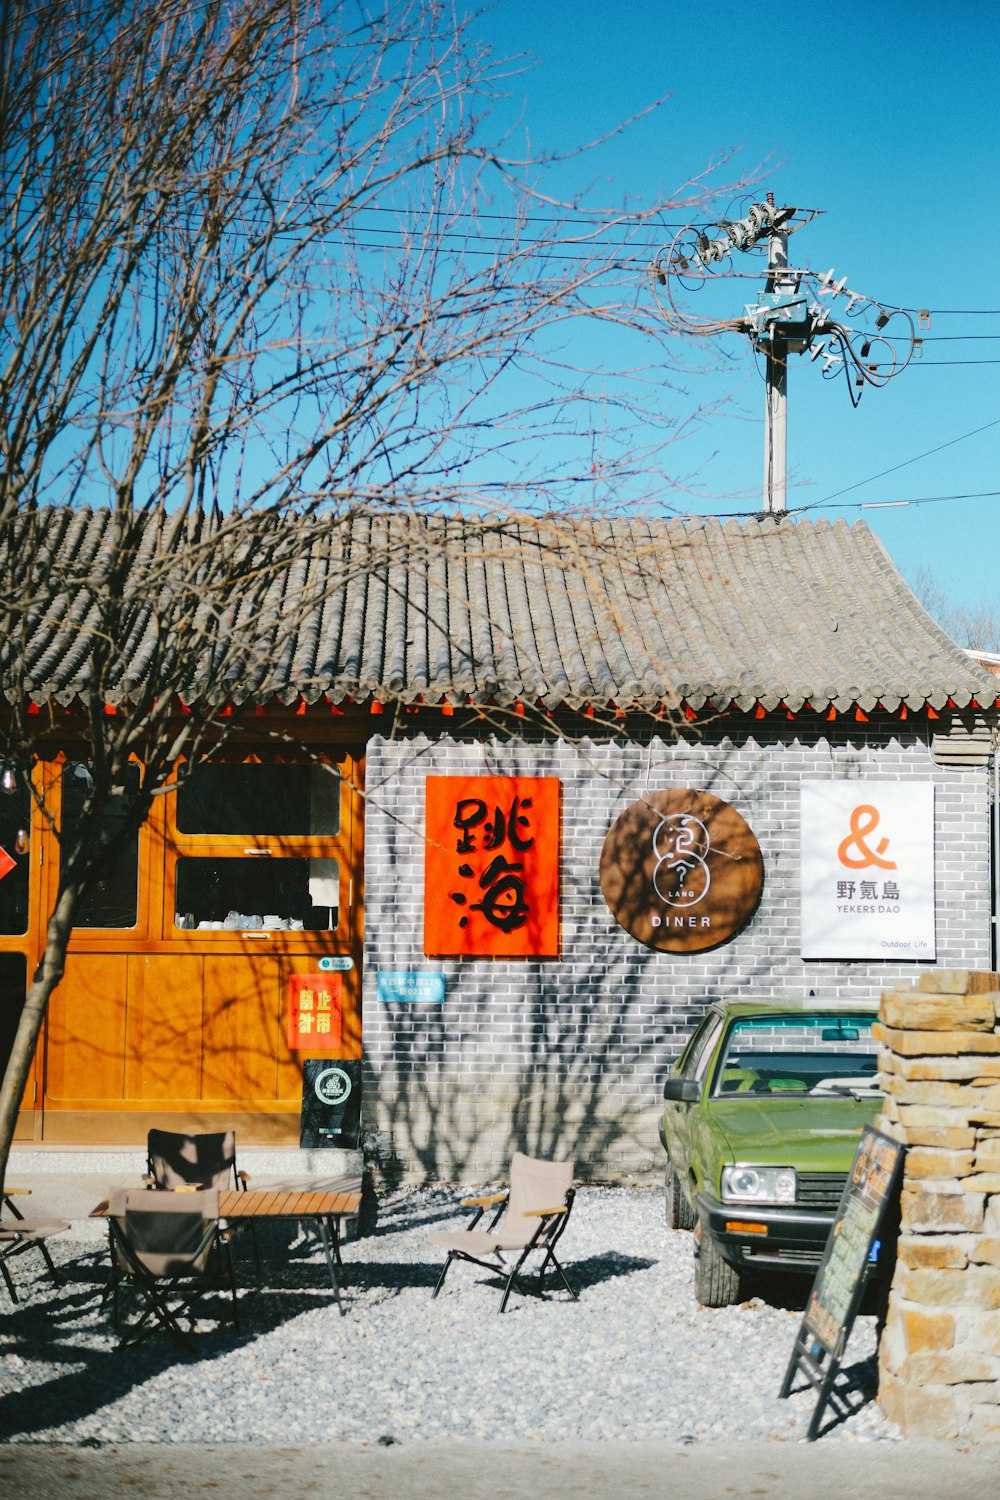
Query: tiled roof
635	612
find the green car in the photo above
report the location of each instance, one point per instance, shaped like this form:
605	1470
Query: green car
761	1120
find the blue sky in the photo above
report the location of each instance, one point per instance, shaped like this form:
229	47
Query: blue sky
884	116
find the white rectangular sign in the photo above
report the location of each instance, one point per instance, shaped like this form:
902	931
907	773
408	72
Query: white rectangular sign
868	869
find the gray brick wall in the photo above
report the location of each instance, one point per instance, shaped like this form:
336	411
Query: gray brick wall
566	1057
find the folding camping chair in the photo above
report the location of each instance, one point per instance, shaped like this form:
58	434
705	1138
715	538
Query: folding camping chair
19	1235
172	1249
535	1211
178	1162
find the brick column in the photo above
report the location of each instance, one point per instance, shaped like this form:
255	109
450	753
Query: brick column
939	1358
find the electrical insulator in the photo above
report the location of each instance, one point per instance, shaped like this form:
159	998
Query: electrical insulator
758	217
828	284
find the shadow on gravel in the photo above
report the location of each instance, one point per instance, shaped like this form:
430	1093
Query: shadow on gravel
70	1331
398	1276
595	1269
65	1344
404	1215
854	1387
792	1292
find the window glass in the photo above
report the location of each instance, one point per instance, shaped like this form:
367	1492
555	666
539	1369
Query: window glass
696	1058
252	894
15	825
260	800
799	1054
699	1064
13	988
113	897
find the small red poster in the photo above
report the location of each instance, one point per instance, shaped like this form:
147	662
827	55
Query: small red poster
6	863
491	866
314	1007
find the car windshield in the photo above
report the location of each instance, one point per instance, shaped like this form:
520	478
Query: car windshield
798	1053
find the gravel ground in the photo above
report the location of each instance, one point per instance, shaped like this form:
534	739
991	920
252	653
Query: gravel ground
635	1358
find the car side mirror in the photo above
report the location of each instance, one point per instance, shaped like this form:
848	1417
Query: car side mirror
681	1090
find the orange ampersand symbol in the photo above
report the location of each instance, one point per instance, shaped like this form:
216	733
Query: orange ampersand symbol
864	820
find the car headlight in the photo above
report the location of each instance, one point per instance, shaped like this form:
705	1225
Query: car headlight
759	1184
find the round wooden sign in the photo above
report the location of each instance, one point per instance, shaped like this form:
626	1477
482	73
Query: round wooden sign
681	871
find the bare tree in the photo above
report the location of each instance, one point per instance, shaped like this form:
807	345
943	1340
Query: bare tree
263	263
975	626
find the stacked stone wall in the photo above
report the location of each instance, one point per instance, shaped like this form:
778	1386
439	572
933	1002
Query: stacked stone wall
939	1357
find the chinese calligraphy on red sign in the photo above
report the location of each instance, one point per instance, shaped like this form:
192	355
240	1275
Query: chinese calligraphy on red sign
491	867
314	1012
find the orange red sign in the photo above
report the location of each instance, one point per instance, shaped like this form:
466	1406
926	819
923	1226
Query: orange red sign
314	1011
491	866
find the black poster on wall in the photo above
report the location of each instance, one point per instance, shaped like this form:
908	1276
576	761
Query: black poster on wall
331	1103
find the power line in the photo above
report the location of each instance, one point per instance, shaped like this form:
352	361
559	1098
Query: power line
891	504
940	364
905	464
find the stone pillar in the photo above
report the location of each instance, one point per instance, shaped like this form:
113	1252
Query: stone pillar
939	1357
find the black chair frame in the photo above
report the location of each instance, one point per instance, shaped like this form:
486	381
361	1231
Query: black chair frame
169	1298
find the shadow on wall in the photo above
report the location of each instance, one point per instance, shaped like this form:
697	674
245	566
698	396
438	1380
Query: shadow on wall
573	1070
170	1034
565	1072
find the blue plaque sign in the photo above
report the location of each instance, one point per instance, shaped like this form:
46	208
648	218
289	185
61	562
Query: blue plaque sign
420	985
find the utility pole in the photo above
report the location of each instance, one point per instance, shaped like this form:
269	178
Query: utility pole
789	317
776	380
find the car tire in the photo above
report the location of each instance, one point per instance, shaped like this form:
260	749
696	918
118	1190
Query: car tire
679	1211
716	1282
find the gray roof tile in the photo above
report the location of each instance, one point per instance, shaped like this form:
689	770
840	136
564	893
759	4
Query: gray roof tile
566	611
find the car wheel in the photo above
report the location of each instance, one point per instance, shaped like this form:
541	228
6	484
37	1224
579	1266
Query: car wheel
716	1282
679	1214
